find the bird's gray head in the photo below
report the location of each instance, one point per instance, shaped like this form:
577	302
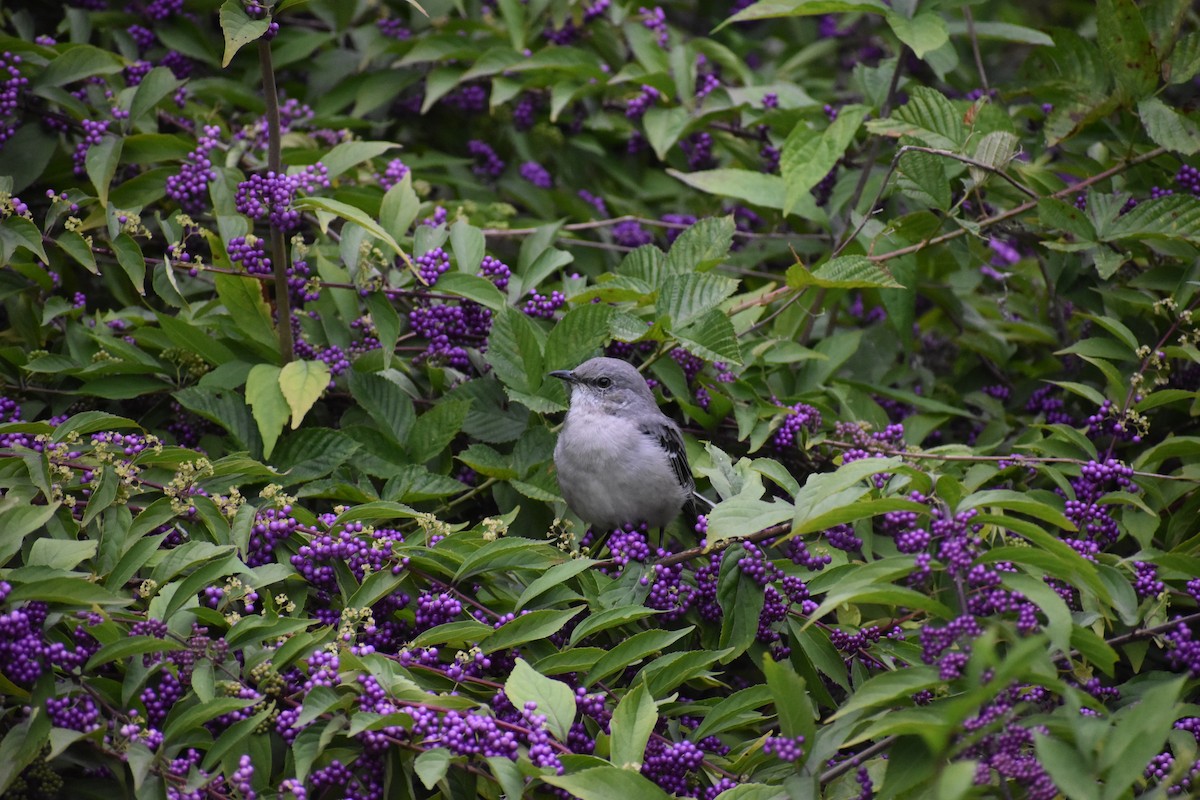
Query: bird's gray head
607	384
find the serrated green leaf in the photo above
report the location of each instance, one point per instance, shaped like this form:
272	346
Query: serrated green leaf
302	384
1126	46
243	300
703	245
808	156
515	352
435	429
929	116
1168	128
844	272
712	337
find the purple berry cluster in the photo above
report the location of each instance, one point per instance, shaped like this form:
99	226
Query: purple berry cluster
800	417
270	196
637	107
11	87
487	165
536	174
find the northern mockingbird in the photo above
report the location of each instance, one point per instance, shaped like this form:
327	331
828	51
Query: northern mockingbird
619	458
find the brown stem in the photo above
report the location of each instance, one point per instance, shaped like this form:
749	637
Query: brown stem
283	304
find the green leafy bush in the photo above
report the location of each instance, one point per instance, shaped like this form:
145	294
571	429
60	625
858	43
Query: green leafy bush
282	283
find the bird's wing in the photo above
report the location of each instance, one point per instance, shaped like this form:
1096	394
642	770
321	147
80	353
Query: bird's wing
671	441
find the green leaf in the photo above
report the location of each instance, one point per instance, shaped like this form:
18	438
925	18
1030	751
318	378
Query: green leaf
889	689
101	164
663	128
61	554
1176	216
530	627
130	257
795	710
995	149
399	208
80	61
734	711
1001	32
1168	128
1063	763
243	299
514	351
633	721
928	176
431	766
844	272
102	497
745	514
1138	733
689	296
235	738
808	155
350	154
385	401
472	287
239	29
632	650
923	33
554	699
1126	46
769	191
556	576
131	646
69	592
21	745
607	619
712	337
607	783
74	245
1017	501
468	245
19	232
1184	62
698	248
385	319
302	384
772	9
266	401
741	601
186	721
349	213
156	85
929	116
436	428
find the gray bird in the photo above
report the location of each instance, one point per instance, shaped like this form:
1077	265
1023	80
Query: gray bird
619	458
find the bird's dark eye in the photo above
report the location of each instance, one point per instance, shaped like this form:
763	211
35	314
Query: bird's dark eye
603	383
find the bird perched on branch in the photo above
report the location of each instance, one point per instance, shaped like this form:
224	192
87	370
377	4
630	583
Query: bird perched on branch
619	458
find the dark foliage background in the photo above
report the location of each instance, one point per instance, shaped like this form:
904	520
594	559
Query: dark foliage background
281	285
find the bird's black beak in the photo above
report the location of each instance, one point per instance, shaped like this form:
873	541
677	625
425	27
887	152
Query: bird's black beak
564	375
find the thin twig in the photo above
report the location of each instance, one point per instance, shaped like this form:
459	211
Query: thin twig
983	79
936	151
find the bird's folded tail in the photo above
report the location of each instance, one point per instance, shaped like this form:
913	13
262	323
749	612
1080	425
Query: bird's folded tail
699	504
